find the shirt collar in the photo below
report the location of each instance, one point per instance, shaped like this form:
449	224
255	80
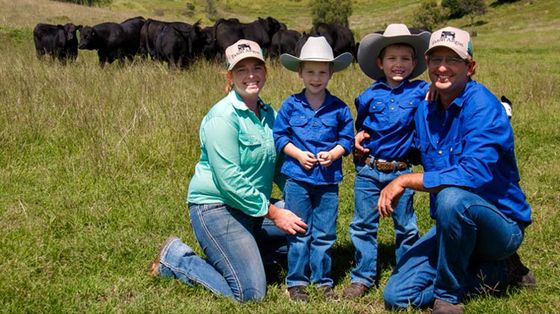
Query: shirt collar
238	102
382	82
329	98
460	99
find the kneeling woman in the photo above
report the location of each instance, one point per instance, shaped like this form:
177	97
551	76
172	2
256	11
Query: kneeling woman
230	190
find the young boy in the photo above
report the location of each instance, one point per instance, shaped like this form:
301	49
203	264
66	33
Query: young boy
314	130
385	113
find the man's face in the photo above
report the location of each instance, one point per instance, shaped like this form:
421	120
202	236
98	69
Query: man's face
448	72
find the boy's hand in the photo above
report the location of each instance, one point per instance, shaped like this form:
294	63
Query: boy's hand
306	160
358	139
325	158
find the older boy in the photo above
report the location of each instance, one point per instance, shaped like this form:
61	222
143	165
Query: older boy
385	111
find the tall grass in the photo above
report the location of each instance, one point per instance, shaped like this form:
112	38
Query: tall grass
94	165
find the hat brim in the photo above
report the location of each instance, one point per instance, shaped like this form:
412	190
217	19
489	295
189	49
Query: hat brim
372	44
341	62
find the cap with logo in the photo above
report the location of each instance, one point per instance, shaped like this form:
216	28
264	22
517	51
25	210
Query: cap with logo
242	49
453	38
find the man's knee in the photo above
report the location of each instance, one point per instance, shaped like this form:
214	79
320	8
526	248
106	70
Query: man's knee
450	205
392	295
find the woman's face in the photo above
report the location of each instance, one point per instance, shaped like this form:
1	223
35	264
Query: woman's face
248	77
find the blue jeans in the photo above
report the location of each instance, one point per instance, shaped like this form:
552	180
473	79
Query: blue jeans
363	230
229	238
309	254
465	250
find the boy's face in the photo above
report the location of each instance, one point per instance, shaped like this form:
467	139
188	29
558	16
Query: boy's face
315	76
397	63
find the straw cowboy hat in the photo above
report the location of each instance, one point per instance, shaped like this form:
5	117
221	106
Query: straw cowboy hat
316	49
372	44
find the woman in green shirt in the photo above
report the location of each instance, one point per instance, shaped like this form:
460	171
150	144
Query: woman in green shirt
229	193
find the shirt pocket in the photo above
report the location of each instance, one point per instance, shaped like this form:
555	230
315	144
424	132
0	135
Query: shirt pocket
328	130
455	152
407	109
250	149
377	116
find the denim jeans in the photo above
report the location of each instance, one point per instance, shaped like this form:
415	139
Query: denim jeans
229	238
363	229
309	254
465	250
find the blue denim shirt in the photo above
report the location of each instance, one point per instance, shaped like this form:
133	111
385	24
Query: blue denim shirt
470	145
313	131
387	115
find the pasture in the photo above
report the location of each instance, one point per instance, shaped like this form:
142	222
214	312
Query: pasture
94	162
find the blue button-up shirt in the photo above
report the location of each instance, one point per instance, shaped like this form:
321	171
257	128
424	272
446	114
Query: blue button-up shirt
313	131
470	145
387	113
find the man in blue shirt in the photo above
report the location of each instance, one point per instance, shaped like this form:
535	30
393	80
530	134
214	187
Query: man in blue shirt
467	151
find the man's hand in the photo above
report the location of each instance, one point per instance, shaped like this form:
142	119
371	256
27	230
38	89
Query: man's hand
390	196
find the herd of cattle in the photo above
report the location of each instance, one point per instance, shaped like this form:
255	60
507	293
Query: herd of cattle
179	43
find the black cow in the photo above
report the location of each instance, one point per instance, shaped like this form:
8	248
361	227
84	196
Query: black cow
340	37
109	39
152	28
261	31
131	28
209	43
58	41
284	41
178	44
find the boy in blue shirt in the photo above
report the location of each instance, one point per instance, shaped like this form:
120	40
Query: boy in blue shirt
385	113
314	130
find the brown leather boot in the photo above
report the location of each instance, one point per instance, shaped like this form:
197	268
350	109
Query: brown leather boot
519	274
355	290
443	307
153	268
298	293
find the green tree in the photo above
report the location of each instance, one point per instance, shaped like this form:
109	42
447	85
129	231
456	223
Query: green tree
430	15
331	11
460	8
89	2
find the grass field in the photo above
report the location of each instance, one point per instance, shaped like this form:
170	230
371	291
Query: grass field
94	163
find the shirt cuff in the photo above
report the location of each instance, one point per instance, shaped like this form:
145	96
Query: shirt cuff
431	179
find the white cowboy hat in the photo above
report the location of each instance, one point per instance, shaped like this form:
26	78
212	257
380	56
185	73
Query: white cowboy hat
372	44
316	49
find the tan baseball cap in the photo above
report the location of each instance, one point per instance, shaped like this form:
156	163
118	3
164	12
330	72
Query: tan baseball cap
242	49
453	38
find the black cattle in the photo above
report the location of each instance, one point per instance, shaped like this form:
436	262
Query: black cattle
178	44
227	32
131	28
109	39
152	28
208	43
58	41
338	36
284	41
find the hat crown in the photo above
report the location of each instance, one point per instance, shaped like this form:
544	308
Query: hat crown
393	30
454	38
242	49
316	49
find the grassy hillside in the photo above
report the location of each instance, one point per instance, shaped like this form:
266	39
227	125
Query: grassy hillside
94	162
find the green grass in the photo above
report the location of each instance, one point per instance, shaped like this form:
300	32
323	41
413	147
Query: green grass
94	163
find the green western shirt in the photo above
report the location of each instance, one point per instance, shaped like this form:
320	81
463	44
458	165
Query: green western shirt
237	157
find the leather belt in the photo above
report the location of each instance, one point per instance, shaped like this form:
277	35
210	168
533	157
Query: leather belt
384	165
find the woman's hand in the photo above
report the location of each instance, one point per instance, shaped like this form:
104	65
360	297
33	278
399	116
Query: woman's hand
287	221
